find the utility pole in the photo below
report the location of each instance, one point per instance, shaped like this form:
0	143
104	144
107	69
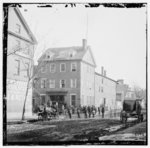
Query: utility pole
87	26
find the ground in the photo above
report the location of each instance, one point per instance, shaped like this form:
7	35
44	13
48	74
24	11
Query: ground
77	130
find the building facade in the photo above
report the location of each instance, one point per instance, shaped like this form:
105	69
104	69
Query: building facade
66	77
105	91
121	92
20	48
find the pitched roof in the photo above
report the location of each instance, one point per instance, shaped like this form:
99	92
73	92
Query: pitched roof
25	25
64	53
105	77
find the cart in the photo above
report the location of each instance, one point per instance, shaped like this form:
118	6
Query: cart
131	109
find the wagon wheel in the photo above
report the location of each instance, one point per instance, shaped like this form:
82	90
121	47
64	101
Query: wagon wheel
140	118
124	119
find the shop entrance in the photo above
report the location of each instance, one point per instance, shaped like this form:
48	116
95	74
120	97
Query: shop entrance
58	100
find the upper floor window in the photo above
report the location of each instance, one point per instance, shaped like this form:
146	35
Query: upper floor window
104	101
102	80
73	66
99	88
17	67
43	69
27	69
62	84
62	67
43	83
51	83
18	28
102	90
73	83
52	68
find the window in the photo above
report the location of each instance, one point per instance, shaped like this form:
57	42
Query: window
62	67
18	28
99	88
62	83
73	100
104	101
17	67
102	90
51	83
52	68
73	83
43	69
27	69
73	66
102	80
43	83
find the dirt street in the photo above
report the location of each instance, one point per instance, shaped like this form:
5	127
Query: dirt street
74	130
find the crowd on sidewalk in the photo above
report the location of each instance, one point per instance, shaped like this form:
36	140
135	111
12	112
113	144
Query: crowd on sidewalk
71	111
87	111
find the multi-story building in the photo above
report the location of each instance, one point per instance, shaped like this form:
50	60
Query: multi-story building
20	48
105	91
67	77
121	92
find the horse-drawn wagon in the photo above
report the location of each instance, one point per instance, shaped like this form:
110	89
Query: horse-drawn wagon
131	109
46	113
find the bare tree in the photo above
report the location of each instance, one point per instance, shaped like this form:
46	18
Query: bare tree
139	92
31	76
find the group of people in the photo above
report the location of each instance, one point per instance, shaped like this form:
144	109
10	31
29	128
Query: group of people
88	111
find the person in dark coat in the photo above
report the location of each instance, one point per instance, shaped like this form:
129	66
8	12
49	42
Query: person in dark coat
89	111
85	111
99	111
78	112
69	112
103	111
93	111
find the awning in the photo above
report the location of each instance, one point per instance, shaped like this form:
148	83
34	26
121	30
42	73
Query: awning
57	92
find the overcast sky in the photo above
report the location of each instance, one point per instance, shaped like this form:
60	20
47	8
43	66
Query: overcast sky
117	36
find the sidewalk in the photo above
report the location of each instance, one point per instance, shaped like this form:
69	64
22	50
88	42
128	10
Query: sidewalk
34	118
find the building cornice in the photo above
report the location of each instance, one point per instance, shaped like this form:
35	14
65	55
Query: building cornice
20	37
88	63
105	77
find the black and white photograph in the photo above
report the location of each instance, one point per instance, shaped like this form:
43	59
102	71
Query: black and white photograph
75	73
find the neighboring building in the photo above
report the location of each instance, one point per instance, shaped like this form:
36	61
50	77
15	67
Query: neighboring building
67	77
20	43
130	95
121	92
105	91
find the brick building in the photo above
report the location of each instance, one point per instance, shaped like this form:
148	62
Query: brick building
67	77
20	46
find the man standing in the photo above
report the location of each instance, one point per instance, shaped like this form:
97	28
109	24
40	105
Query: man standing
69	111
78	112
99	111
103	111
89	111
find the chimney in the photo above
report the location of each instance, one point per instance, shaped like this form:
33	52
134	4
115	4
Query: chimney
84	43
105	73
102	70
